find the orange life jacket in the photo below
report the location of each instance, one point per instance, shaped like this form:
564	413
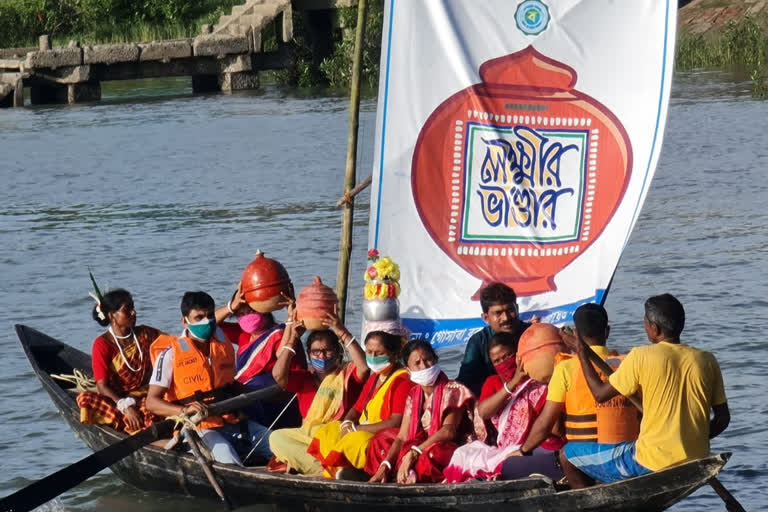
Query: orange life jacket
194	373
614	421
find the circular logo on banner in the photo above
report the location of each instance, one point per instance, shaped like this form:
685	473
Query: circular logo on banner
532	17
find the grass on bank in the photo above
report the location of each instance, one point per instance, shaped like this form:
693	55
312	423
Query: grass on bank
741	46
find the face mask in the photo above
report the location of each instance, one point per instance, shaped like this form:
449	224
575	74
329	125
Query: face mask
202	330
377	363
324	365
427	376
506	369
254	322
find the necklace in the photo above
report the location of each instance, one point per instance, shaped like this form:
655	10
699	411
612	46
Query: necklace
120	348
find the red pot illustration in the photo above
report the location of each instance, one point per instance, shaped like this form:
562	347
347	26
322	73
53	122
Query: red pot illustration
516	176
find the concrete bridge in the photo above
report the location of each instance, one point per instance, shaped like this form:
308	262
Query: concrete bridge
225	57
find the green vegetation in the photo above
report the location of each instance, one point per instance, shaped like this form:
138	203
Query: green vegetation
97	21
741	46
336	69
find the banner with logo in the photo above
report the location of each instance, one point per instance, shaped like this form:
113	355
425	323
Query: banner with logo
515	143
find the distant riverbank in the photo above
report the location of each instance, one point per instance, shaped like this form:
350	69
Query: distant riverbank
713	34
725	34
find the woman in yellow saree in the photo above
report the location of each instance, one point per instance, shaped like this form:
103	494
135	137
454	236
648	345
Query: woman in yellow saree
325	391
343	444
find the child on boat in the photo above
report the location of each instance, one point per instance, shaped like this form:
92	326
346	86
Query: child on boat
121	366
438	417
325	392
343	444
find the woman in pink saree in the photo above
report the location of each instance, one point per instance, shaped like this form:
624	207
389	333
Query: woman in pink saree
510	402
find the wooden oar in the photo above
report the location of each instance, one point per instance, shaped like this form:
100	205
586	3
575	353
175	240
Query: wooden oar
61	481
194	442
731	503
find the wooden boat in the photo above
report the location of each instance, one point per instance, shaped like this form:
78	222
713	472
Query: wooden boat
153	468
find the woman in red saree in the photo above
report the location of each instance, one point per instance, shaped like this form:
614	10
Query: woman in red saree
438	418
121	367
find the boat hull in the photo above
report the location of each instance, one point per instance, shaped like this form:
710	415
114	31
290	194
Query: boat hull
155	469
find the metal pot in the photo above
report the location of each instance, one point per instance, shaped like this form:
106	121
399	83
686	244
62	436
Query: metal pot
377	310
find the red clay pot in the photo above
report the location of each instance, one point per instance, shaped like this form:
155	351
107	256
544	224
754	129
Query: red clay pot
313	302
263	281
538	346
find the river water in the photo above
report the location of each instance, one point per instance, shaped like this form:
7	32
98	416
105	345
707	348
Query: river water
171	192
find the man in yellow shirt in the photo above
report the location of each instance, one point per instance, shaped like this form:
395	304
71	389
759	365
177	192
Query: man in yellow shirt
569	396
679	385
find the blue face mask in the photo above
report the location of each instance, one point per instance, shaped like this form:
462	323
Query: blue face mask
202	330
324	365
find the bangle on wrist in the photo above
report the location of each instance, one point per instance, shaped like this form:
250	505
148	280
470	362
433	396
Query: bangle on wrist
286	347
506	388
386	463
417	449
350	423
229	308
351	341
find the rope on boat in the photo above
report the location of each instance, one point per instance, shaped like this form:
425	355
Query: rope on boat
79	380
269	429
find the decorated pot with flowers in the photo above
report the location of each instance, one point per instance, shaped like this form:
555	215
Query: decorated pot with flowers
264	283
313	302
381	289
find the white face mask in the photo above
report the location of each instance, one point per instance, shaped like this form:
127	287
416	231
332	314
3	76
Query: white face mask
427	376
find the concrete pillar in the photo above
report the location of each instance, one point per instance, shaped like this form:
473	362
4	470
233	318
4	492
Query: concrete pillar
65	94
6	95
239	81
18	93
83	92
45	42
226	82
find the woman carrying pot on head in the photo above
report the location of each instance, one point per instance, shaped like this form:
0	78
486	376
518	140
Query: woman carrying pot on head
121	366
258	336
438	417
343	444
511	401
325	392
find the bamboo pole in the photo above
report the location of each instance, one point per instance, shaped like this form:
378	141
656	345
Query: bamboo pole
348	197
345	247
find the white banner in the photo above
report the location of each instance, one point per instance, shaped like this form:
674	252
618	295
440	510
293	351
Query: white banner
516	141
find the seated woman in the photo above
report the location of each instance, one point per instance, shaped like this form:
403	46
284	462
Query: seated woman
325	392
338	445
121	367
511	402
438	418
257	337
